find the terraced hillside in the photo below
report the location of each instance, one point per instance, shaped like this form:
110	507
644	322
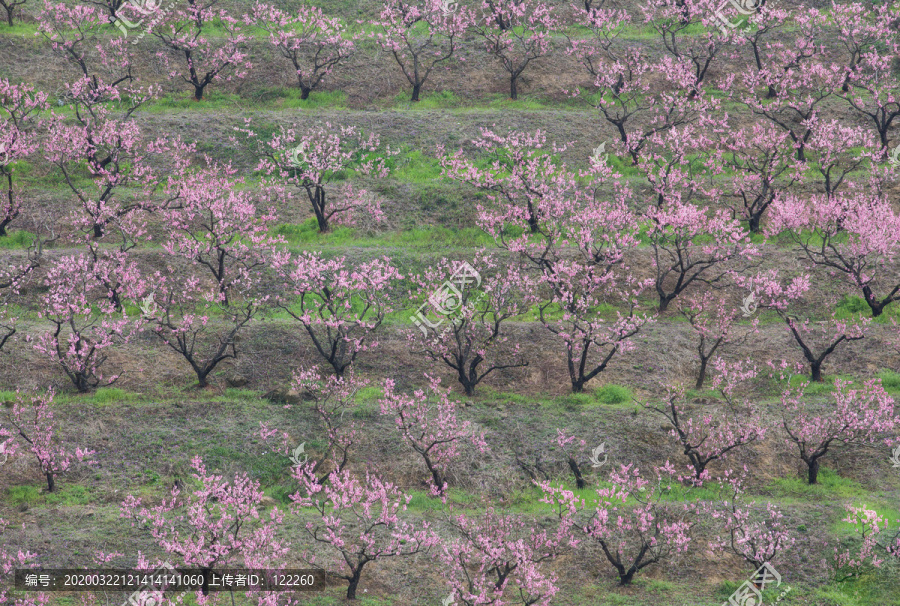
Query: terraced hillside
624	339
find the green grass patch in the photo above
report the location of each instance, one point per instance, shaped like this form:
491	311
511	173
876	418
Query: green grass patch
422	501
289	98
572	402
890	514
65	495
852	307
416	167
830	485
710	394
612	394
369	394
26	30
16	239
434	237
660	586
431	237
553	312
281	493
111	395
873	587
431	100
68	495
235	393
308	233
727	588
813	388
524	102
21	495
679	493
890	380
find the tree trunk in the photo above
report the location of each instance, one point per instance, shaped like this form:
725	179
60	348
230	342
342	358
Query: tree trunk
204	587
435	474
815	372
664	301
754	222
98	231
876	306
51	482
304	92
319	209
813	471
576	471
625	579
415	91
198	93
513	90
532	220
468	385
701	376
202	383
353	584
699	469
577	385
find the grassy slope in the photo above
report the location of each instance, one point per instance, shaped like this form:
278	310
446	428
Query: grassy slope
146	438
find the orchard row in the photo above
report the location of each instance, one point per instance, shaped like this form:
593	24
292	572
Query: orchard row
347	521
795	60
580	251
